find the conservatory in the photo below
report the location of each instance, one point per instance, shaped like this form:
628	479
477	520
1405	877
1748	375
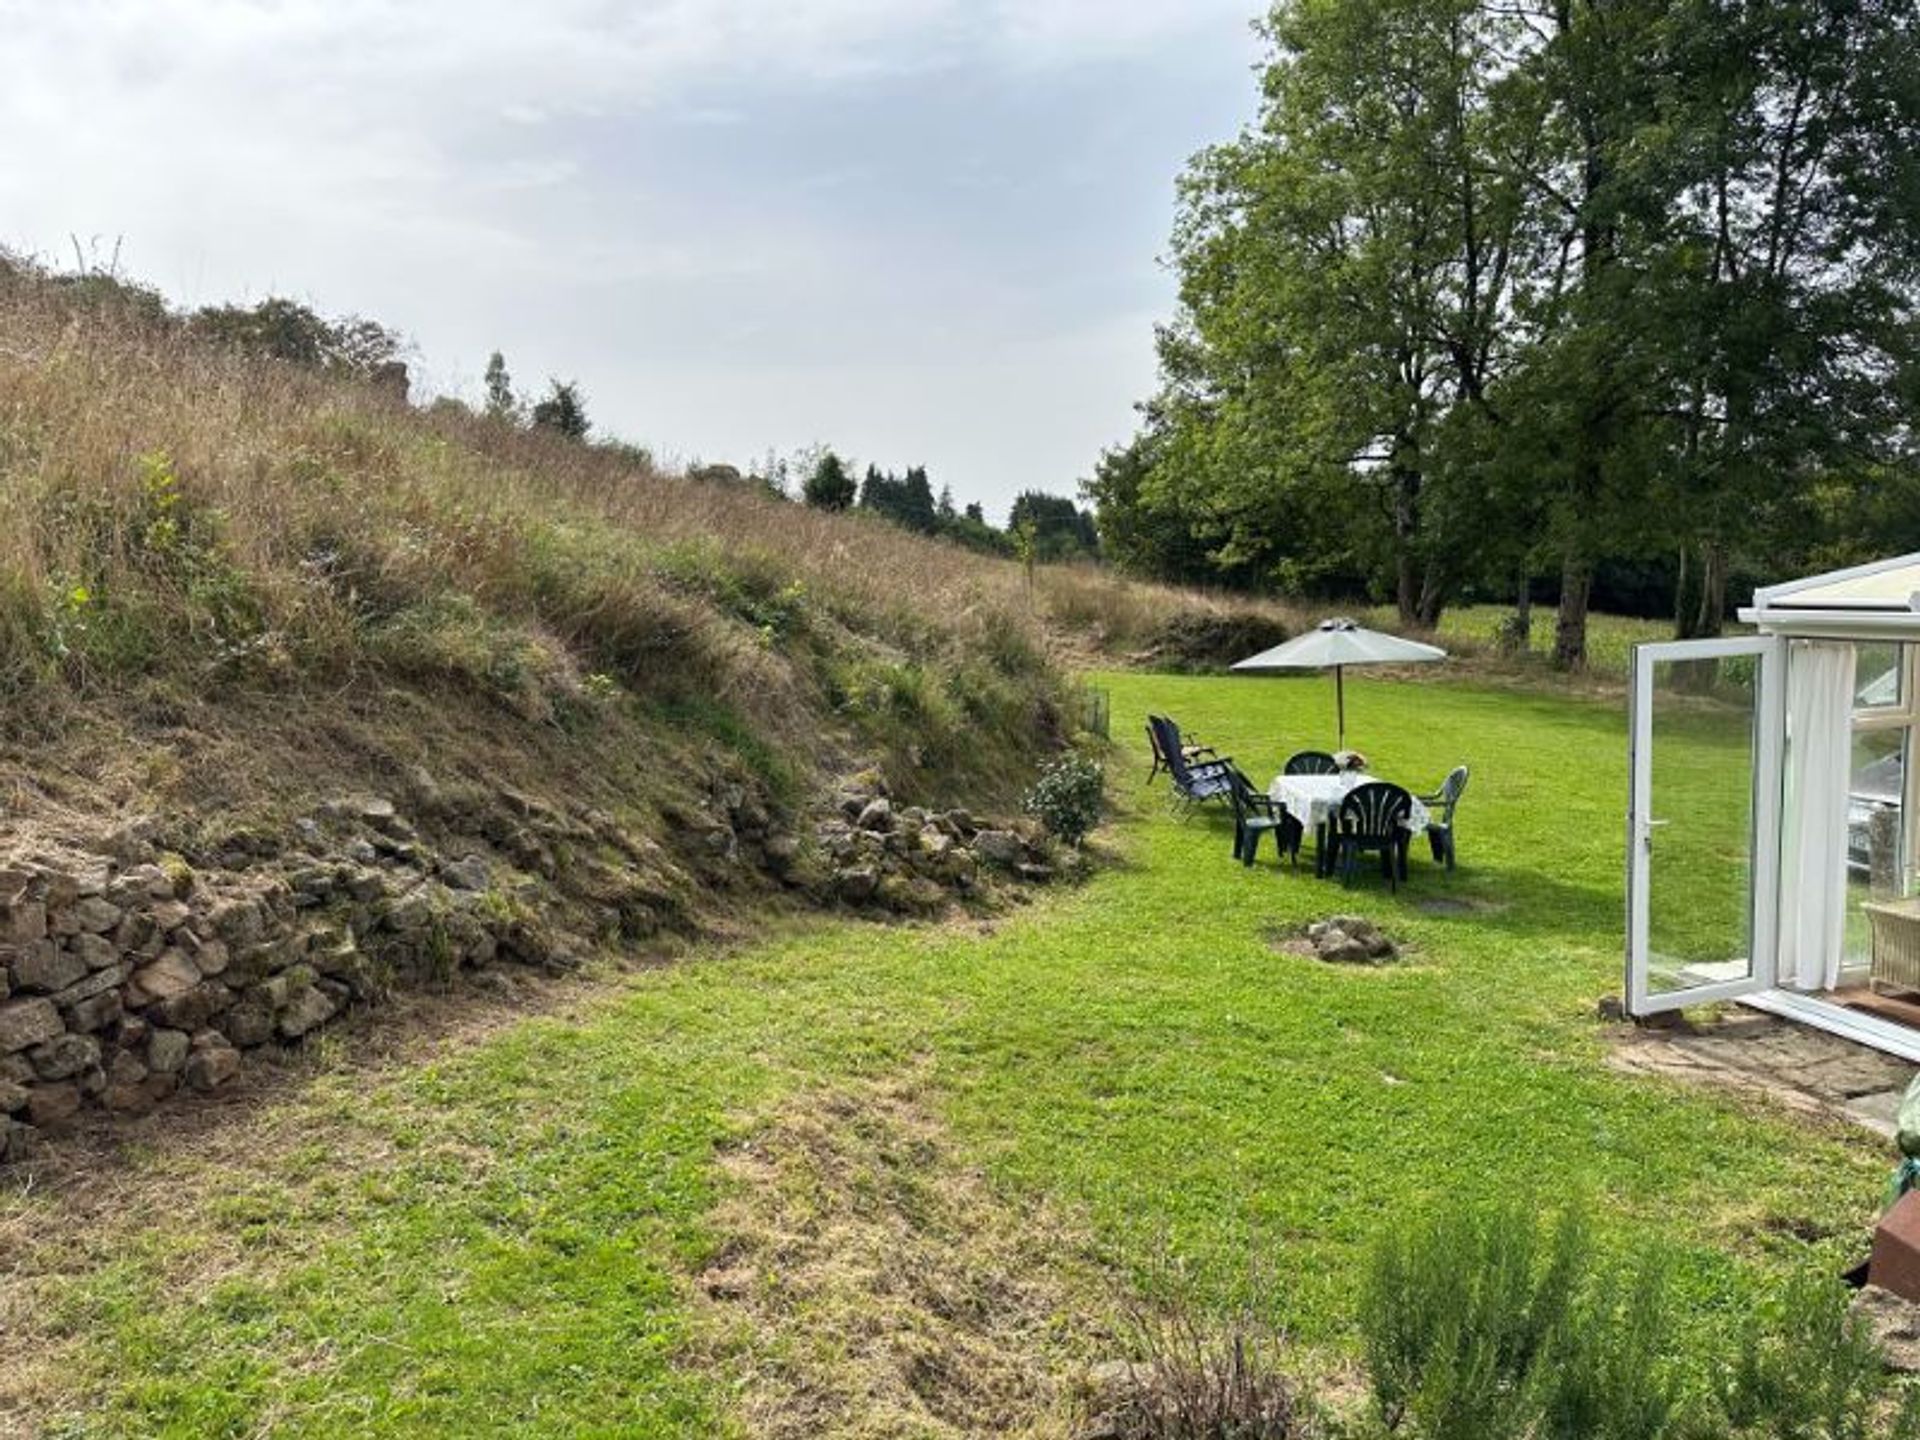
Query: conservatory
1771	829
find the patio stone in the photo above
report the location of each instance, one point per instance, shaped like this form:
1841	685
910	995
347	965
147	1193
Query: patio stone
1797	1068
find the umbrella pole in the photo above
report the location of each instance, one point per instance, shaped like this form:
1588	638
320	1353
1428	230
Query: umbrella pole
1340	701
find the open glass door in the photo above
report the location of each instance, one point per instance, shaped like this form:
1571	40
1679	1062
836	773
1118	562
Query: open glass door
1703	823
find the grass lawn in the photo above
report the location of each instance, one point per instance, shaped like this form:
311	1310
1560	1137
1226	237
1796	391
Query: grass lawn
1610	638
505	1241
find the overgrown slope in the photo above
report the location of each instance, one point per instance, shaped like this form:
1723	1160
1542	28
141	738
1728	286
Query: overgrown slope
307	692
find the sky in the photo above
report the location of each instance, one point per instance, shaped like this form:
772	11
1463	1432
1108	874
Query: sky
921	231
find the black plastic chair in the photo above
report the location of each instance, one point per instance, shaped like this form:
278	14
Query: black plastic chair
1312	762
1192	784
1255	815
1373	817
1440	817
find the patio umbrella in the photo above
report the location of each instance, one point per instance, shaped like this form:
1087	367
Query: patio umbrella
1336	644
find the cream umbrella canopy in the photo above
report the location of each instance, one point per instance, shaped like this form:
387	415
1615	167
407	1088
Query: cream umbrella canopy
1336	644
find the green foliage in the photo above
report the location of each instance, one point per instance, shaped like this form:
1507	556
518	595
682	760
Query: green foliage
1806	1370
286	330
1459	1314
1484	295
1069	797
563	411
1482	1325
1614	1373
907	499
828	485
1058	530
755	589
501	405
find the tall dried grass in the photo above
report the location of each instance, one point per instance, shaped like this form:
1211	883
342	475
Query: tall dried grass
177	514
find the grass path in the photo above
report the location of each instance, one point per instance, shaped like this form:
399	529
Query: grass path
510	1240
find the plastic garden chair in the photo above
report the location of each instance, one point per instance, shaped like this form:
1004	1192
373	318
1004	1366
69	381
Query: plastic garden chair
1441	806
1373	817
1255	815
1312	762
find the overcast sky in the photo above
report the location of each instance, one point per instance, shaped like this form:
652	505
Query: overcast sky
919	230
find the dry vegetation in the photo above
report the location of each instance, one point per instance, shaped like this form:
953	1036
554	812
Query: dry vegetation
869	1283
243	560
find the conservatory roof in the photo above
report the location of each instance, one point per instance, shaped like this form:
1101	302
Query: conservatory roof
1872	598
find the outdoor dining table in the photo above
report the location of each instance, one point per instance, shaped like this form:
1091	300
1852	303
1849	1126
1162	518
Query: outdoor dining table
1314	800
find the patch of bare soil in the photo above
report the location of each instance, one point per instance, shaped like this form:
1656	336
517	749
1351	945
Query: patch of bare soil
870	1283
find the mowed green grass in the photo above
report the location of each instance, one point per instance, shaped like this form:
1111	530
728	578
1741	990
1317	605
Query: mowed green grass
504	1242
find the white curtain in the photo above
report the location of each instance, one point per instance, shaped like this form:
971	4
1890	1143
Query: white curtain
1813	902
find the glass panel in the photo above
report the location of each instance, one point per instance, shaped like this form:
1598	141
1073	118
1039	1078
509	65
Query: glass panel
1700	865
1880	681
1876	862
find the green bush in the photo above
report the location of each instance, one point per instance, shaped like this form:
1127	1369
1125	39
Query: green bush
1806	1370
1457	1314
1495	1326
1069	797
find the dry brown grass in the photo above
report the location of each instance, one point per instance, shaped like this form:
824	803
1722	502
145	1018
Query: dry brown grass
185	528
871	1284
311	510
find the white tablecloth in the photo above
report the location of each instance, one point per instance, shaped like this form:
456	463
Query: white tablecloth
1313	800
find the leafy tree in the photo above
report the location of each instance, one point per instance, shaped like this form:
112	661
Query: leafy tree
501	404
563	411
286	330
829	485
1490	291
1058	530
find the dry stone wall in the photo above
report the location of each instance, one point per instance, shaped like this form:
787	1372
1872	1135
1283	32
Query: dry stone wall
129	973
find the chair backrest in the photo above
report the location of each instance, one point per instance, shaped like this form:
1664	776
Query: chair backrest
1312	762
1242	791
1171	755
1375	809
1154	739
1451	789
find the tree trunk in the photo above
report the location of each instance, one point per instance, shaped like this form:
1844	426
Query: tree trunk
1406	535
1433	597
1710	621
1686	599
1406	588
1570	626
1520	637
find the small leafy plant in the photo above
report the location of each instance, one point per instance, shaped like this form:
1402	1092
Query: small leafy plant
1069	797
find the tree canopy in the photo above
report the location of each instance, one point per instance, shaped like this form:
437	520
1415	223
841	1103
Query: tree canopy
1492	294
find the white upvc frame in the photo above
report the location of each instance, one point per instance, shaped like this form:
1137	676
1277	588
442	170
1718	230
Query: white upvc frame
1779	597
1769	770
1903	718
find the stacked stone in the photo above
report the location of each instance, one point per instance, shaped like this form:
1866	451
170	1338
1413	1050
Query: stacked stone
909	859
121	983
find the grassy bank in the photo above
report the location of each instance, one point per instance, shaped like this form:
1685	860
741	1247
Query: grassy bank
526	1232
